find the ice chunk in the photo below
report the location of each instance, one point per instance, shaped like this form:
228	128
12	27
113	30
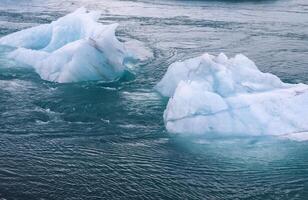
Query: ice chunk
211	94
138	50
74	48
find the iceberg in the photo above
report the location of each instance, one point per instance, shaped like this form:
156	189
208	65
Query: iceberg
217	95
73	48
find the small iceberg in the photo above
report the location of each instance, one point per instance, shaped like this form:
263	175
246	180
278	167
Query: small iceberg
73	48
215	94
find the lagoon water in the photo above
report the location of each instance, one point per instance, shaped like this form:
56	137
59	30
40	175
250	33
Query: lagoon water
94	140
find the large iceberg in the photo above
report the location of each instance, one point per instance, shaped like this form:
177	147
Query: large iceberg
73	48
211	94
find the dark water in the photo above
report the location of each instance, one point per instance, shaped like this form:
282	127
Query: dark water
92	140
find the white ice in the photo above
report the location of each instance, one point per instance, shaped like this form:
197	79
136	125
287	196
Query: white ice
211	94
73	48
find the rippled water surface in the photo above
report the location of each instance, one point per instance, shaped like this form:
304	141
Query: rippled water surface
93	140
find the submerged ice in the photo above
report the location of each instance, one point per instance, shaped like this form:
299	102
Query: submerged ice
211	94
73	48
